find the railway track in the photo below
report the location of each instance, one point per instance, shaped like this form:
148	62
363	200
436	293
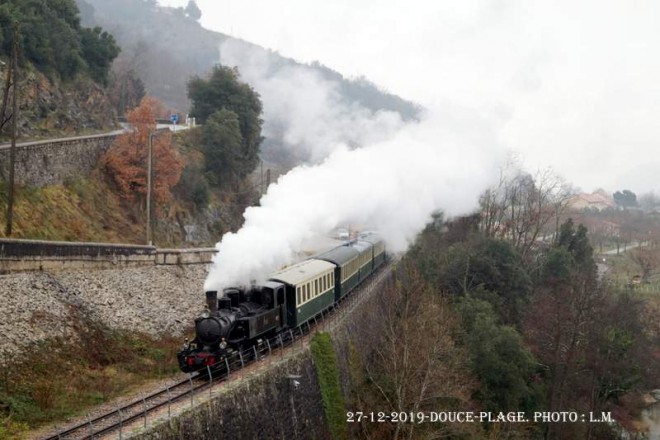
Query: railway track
195	384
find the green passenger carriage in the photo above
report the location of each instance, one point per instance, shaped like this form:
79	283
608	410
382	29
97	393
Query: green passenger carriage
310	287
378	248
365	258
345	260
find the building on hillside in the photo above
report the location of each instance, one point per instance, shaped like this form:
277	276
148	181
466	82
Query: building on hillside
596	201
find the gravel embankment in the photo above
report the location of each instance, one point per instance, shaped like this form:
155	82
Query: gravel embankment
156	300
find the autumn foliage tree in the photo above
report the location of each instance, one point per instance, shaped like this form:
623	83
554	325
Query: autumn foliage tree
126	160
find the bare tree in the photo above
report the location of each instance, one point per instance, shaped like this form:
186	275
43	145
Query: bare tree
415	365
561	321
648	261
522	205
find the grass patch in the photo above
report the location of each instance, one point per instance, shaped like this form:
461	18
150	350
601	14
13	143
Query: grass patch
623	269
57	379
83	209
325	361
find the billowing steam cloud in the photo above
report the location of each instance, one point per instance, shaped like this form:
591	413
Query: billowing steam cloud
303	109
367	168
393	186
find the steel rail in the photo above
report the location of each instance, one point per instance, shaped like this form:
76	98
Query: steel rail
116	419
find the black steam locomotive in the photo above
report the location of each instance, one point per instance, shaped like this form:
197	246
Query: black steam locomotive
244	317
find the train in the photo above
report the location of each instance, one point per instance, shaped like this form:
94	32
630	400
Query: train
243	317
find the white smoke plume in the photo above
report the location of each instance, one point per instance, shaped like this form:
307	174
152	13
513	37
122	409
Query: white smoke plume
304	109
393	186
365	168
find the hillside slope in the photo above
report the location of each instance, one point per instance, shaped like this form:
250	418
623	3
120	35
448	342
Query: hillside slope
167	47
308	109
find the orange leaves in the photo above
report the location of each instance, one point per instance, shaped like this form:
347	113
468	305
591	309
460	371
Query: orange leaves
126	160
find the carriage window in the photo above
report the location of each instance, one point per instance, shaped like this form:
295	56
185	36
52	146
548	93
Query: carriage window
298	294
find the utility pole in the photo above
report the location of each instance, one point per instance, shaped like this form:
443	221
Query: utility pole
14	117
150	153
149	160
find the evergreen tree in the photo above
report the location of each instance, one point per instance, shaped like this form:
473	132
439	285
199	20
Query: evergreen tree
223	92
99	49
625	198
571	254
498	358
53	40
193	10
221	141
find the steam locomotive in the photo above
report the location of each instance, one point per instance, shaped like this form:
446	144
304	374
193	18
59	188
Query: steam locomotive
245	316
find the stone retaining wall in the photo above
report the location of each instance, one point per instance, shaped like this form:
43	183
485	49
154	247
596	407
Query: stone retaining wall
267	405
31	255
50	162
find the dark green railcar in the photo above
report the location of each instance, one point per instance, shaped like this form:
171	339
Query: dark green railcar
378	248
347	270
365	258
310	287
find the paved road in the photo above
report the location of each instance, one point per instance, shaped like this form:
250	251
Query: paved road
90	136
624	248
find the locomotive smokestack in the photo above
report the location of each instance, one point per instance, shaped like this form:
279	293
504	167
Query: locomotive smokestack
212	301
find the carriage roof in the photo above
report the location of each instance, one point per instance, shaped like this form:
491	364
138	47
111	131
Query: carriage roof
339	255
302	272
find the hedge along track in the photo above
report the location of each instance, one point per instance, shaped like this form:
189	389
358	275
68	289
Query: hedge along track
197	383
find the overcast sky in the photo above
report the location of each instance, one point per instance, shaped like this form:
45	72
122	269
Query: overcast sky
574	85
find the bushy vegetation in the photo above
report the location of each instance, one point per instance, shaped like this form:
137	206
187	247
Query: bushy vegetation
59	378
542	333
51	38
231	113
325	361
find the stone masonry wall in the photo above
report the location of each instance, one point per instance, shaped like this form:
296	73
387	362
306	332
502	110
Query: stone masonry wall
263	406
50	162
17	255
